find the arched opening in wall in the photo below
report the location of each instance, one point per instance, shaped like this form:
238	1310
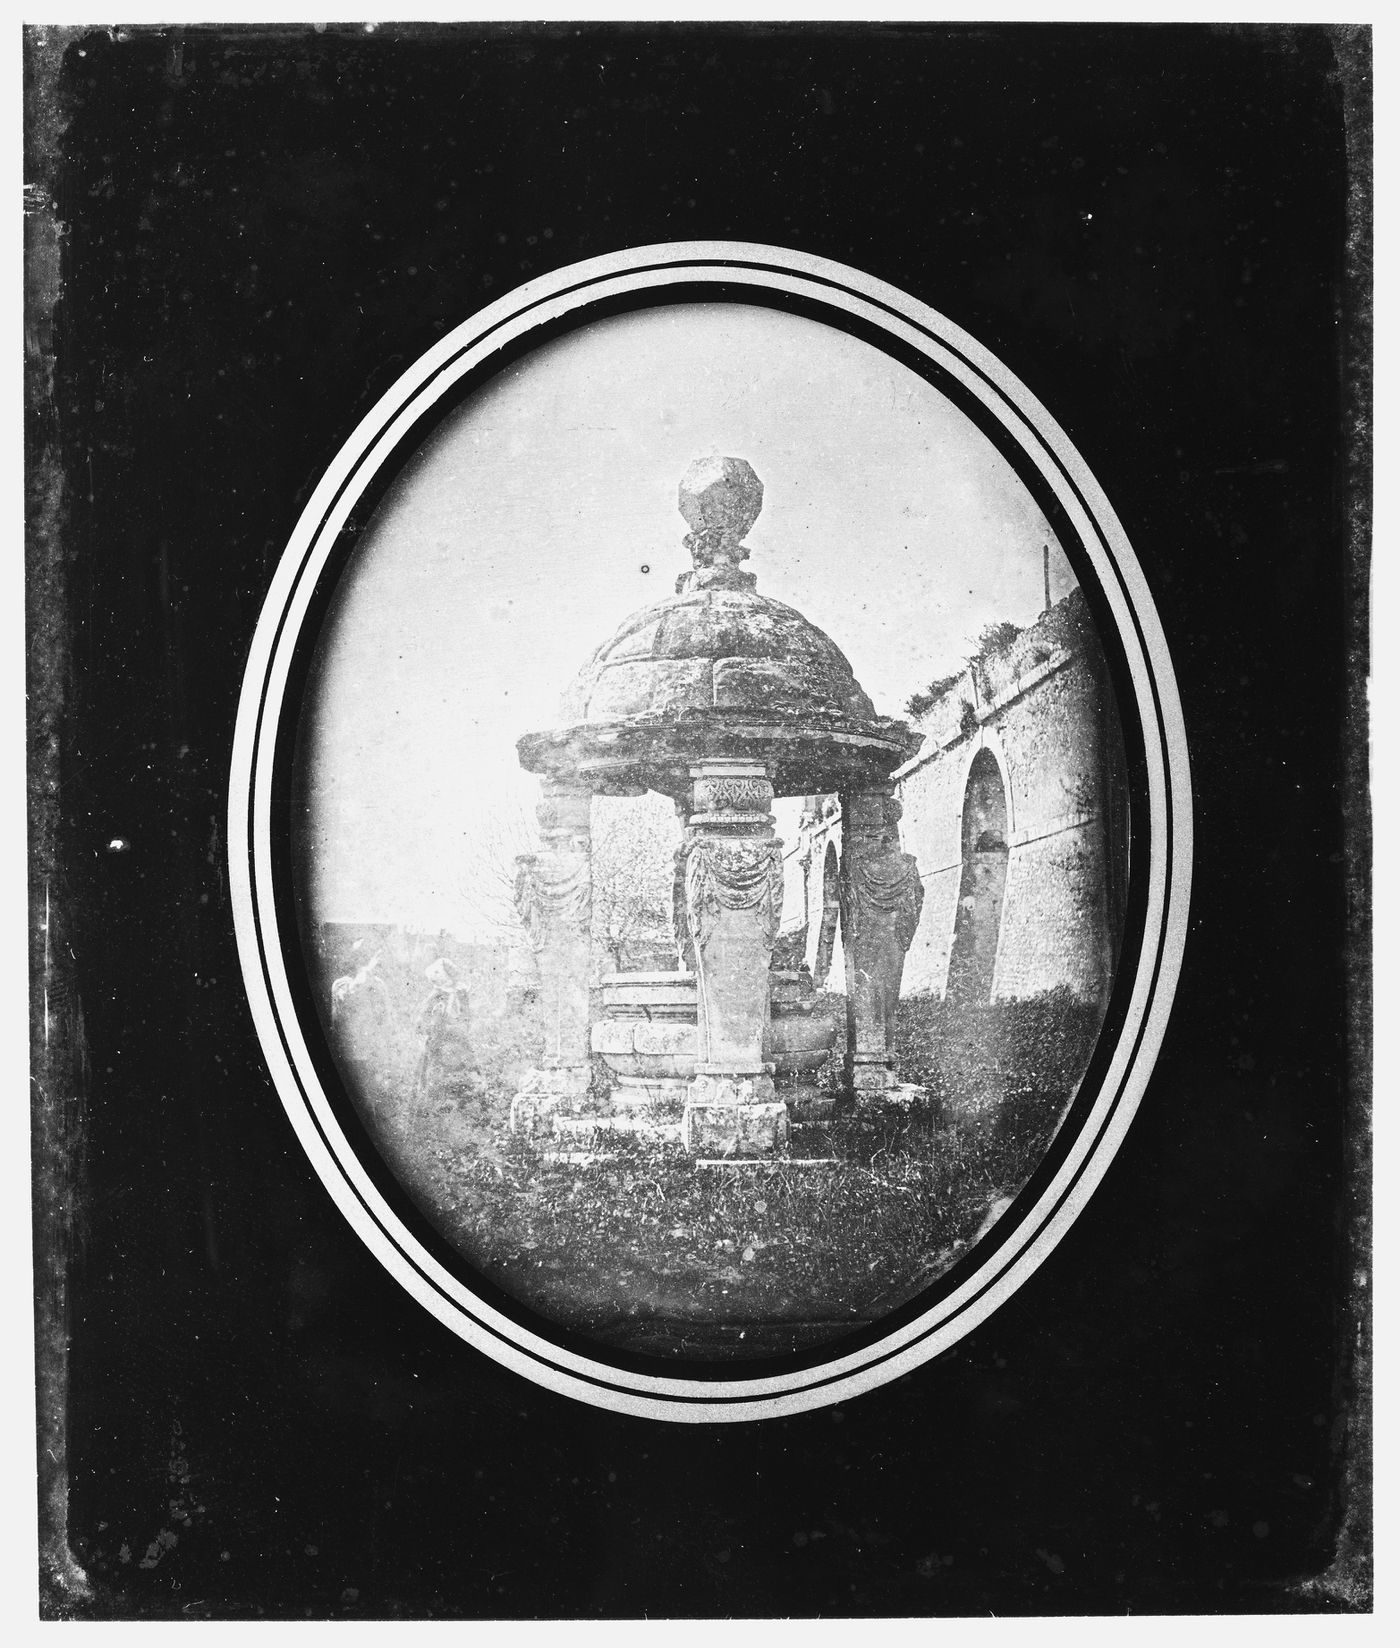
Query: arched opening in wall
983	885
826	937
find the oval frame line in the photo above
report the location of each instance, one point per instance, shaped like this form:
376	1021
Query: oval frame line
563	297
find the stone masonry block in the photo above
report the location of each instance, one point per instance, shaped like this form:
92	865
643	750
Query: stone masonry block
735	1129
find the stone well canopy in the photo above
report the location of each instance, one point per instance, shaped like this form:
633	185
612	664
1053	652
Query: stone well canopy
721	699
718	671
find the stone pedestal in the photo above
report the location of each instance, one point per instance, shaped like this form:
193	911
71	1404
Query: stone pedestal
733	906
545	1093
648	1040
734	1127
553	894
881	898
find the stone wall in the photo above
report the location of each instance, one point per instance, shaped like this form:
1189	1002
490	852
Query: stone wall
1041	709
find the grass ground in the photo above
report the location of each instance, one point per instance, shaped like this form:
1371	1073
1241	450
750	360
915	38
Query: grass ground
643	1249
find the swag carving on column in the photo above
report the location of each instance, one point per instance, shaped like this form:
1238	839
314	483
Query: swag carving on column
882	879
553	895
554	899
879	877
882	897
680	920
733	875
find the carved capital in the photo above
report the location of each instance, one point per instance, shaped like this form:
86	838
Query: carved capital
725	791
564	814
872	815
732	795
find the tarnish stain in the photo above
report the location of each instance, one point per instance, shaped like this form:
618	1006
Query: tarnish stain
57	1041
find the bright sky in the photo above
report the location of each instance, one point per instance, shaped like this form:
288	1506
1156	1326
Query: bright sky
544	511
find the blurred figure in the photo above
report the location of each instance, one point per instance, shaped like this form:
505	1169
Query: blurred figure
448	1069
350	985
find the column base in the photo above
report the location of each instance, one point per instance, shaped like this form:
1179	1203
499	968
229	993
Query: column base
870	1074
735	1129
734	1116
543	1093
596	1130
901	1096
725	1087
807	1102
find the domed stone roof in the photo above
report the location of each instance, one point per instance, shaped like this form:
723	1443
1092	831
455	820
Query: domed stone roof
716	648
719	667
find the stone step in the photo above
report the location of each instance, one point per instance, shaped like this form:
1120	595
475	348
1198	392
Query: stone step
766	1163
637	1126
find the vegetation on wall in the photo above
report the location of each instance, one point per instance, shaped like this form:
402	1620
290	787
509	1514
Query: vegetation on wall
920	703
992	639
995	638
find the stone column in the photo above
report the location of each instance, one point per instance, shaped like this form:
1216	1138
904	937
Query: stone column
733	905
554	896
881	897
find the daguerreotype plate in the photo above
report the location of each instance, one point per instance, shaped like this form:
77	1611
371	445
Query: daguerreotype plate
715	1009
644	642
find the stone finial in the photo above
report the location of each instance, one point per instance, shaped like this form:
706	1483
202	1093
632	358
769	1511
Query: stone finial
721	494
720	499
